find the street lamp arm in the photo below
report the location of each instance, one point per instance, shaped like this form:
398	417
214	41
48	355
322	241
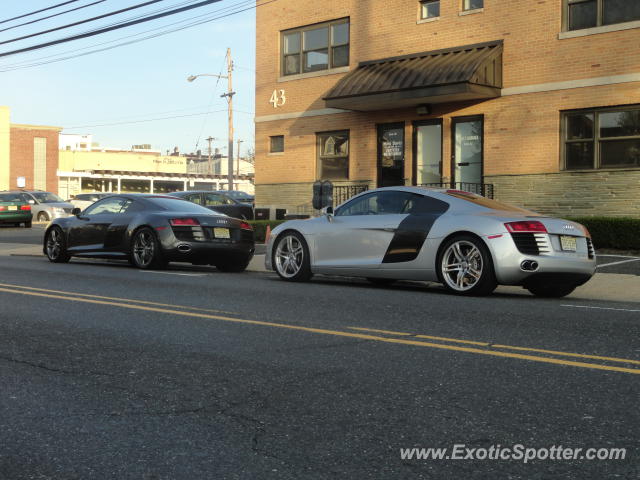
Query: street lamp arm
191	78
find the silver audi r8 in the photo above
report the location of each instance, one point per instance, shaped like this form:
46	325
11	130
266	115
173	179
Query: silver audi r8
467	242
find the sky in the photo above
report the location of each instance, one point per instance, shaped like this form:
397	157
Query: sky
113	94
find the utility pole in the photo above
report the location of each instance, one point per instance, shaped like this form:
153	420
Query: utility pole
229	96
238	164
210	168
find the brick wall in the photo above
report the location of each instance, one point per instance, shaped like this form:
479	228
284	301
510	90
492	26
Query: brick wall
22	155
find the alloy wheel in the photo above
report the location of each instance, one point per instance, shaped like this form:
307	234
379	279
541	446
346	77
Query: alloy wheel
54	244
144	248
289	256
462	266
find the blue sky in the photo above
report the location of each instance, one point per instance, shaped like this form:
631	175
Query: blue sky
142	81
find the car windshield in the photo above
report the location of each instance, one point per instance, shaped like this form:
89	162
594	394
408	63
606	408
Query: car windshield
46	197
11	197
485	202
178	205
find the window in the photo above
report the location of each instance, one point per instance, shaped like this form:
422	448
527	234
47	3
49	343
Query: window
429	9
39	163
276	144
381	203
316	48
581	14
605	138
194	198
472	4
215	200
108	205
333	155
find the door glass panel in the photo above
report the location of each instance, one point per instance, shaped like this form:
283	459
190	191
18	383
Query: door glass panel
468	151
213	200
381	203
428	154
109	205
391	155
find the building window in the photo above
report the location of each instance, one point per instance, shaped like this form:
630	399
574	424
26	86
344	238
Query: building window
39	163
333	155
581	14
472	4
604	138
316	48
276	144
429	9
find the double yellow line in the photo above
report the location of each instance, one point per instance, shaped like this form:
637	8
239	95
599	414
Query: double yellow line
186	311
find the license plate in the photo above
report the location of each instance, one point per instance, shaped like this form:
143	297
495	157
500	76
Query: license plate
221	233
12	207
568	243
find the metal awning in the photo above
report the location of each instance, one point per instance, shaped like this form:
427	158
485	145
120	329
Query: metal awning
470	72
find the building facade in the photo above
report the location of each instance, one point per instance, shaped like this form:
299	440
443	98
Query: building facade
534	103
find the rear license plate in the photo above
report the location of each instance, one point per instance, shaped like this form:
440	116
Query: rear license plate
12	207
568	243
221	233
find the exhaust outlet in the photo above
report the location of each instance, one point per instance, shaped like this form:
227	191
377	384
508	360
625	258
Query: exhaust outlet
184	248
529	266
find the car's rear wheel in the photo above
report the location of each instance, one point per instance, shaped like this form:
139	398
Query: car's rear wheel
291	257
233	266
465	266
146	252
43	217
551	291
56	246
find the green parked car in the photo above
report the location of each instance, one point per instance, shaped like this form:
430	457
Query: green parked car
15	209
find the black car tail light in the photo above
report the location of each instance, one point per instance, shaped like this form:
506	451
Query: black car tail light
184	222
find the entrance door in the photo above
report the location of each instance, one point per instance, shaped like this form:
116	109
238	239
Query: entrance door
391	155
427	153
467	152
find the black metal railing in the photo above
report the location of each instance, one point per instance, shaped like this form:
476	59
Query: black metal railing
342	193
484	189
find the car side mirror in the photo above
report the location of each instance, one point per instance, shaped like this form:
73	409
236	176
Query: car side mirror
76	211
328	212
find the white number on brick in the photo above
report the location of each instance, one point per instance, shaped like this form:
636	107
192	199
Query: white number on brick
278	98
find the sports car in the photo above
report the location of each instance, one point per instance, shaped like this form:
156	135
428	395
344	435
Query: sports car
150	231
468	243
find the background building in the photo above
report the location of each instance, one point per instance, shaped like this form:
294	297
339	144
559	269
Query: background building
536	103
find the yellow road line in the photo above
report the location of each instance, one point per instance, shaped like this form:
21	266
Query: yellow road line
144	302
336	333
429	337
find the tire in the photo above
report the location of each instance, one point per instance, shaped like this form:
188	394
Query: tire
56	246
27	224
382	282
291	257
231	266
465	266
43	217
146	252
551	291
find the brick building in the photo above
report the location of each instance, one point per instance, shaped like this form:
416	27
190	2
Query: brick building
535	102
28	155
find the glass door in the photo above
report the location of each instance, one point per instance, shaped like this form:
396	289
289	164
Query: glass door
391	155
467	152
427	153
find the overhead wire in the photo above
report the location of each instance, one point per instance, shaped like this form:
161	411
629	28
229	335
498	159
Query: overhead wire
52	16
39	11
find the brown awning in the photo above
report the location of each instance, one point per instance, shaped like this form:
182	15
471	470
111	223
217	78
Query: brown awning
470	72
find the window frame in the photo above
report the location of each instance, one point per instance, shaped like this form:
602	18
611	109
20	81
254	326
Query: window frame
464	9
271	150
421	3
596	140
319	155
599	16
302	51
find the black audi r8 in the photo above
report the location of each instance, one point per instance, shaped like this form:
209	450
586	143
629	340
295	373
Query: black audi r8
150	231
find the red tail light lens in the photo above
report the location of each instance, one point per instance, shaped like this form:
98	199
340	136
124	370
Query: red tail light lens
184	222
2	208
245	226
25	207
523	227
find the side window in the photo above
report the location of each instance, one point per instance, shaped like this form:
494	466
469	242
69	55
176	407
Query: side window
194	198
380	203
108	205
213	200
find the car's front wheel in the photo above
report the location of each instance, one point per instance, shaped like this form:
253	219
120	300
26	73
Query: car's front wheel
291	257
465	266
551	291
56	246
146	252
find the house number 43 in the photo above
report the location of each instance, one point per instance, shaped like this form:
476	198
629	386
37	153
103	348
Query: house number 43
278	98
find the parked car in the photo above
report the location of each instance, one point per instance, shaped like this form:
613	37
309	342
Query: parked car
45	206
15	209
468	243
218	202
83	200
150	231
242	197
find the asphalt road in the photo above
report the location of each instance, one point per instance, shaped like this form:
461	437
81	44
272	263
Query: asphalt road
195	374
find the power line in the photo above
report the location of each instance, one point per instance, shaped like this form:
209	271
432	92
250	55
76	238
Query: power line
39	11
87	20
51	16
108	29
19	66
